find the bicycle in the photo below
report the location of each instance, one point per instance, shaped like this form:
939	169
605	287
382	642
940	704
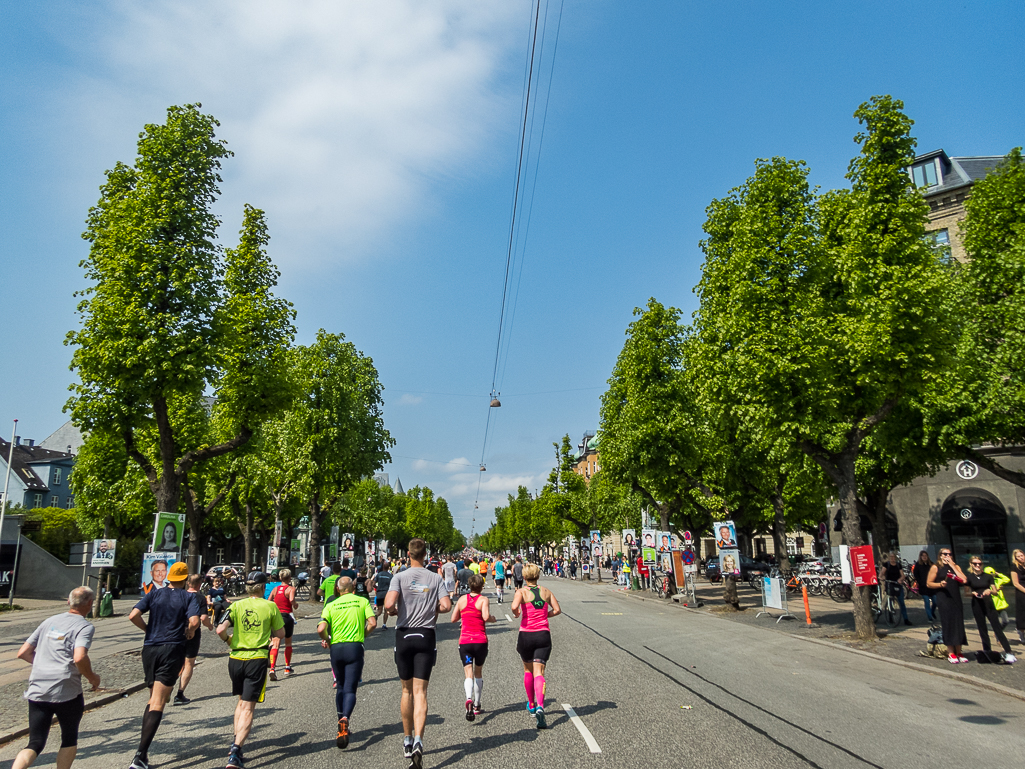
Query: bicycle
887	603
663	583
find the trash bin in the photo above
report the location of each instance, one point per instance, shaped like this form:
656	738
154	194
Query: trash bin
107	605
636	585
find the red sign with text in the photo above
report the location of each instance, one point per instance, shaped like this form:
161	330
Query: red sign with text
863	566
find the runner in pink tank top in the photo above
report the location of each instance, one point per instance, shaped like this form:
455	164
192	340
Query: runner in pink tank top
474	613
534	643
283	597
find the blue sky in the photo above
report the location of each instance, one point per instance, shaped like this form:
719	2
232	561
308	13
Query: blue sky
381	140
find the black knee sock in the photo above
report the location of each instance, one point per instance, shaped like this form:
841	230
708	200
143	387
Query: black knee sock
150	722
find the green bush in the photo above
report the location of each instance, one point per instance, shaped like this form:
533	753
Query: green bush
59	530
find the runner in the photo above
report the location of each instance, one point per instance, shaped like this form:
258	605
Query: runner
415	596
173	619
463	579
472	565
58	651
484	570
344	624
283	596
216	600
535	639
194	582
254	621
499	579
448	573
347	570
360	584
327	587
517	571
474	612
380	581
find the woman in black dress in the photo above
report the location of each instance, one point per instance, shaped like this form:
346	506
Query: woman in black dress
947	579
1018	580
982	586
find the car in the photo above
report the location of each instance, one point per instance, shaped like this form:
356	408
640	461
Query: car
748	568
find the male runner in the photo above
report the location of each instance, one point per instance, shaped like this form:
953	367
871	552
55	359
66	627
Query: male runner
381	582
173	619
415	596
517	571
327	587
347	571
58	651
344	624
448	574
254	621
283	596
473	565
463	579
499	579
195	581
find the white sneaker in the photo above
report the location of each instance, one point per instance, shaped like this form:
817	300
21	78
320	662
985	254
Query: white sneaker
1010	659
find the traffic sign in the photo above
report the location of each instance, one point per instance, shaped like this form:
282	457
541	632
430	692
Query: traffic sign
687	538
688	557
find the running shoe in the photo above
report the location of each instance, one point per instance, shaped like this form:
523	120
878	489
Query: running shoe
469	710
180	699
272	675
477	708
288	670
342	740
539	714
416	759
531	707
138	763
234	760
1010	659
407	749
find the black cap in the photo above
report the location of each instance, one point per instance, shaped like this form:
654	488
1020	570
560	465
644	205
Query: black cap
256	578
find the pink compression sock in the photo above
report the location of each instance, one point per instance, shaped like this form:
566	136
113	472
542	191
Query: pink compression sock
528	684
539	691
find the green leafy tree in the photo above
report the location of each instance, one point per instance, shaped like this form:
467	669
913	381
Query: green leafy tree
165	319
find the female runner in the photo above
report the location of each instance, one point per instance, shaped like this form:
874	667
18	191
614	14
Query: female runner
474	611
535	639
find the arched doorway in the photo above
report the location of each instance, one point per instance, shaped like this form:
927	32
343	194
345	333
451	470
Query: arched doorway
976	523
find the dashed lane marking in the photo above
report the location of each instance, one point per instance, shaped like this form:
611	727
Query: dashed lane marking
508	617
592	744
612	614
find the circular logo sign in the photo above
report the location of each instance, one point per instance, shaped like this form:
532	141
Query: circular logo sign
966	514
688	557
966	470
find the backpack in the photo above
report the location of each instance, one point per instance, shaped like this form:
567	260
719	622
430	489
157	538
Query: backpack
934	644
989	657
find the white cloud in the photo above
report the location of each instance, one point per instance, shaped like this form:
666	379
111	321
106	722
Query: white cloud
341	114
495	488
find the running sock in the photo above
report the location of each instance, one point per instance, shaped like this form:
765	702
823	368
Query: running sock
539	691
478	690
528	684
150	722
273	658
468	688
288	656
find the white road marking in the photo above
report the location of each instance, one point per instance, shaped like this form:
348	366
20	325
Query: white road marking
592	744
508	617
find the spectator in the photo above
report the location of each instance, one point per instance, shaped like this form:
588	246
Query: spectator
920	571
58	651
1018	582
946	578
982	588
893	575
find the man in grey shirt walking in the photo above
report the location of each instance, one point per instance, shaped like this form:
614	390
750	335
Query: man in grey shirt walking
59	653
415	596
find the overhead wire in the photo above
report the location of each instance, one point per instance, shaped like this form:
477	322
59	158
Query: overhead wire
534	61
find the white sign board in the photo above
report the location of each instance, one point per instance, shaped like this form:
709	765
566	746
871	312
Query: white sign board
772	593
846	574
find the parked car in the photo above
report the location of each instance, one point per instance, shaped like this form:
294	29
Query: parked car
748	568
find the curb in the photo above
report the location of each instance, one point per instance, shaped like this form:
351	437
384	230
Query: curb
979	682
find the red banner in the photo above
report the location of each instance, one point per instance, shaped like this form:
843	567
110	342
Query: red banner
863	566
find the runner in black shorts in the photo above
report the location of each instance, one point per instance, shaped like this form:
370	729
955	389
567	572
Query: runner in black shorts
415	596
195	581
534	643
517	571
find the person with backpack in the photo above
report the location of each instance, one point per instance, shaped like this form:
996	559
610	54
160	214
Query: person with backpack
982	588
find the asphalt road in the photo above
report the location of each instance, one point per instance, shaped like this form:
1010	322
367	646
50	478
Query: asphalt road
649	684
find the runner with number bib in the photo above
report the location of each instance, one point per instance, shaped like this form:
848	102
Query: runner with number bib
535	639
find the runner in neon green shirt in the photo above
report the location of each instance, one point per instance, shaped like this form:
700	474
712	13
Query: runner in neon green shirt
344	624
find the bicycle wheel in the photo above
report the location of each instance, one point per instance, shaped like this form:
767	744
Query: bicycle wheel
891	611
303	592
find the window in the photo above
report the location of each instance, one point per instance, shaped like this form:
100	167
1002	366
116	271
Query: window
55	501
220	555
939	240
925	174
57	476
37	500
71	502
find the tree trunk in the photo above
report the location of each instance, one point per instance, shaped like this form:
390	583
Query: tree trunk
314	546
779	531
247	535
729	590
192	515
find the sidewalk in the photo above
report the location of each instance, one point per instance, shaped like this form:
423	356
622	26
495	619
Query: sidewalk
834	624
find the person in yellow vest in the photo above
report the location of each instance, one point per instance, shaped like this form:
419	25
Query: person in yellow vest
997	594
474	566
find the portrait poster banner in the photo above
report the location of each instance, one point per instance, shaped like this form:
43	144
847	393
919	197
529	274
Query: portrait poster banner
595	537
272	558
649	538
649	556
168	533
348	550
725	535
371	549
664	542
729	562
382	548
629	540
154	570
334	535
103	552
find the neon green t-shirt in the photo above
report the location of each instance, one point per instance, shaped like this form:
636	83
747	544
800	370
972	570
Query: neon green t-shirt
253	620
346	618
328	585
474	567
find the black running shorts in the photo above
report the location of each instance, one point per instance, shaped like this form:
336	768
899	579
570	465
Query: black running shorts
518	582
248	678
499	581
473	654
163	663
415	652
535	646
289	624
192	646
